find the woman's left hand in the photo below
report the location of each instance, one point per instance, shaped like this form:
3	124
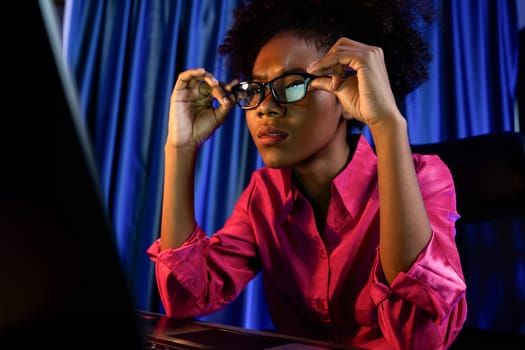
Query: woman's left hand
366	95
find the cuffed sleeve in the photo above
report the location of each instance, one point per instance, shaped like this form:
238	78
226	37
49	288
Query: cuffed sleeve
205	273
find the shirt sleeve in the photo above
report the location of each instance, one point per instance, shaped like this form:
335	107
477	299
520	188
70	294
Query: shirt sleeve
431	295
206	272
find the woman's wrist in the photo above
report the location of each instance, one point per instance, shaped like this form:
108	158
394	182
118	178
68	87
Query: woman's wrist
385	126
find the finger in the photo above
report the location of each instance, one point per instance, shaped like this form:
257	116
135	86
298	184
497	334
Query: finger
330	65
222	111
205	84
322	83
189	77
211	86
344	54
336	74
225	106
228	86
335	82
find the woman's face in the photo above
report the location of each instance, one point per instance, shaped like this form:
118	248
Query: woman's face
294	134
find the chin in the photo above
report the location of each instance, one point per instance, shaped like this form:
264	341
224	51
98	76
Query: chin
274	163
278	158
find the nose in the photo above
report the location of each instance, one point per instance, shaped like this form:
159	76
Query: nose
269	106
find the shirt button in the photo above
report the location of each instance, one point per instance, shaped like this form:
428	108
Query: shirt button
320	305
323	255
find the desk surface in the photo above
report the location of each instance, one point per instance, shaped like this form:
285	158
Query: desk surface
167	333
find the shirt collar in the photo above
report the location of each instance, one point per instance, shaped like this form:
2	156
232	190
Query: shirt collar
356	183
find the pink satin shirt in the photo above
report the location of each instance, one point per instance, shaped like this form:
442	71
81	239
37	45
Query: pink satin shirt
327	285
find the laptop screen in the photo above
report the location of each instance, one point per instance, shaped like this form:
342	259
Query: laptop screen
59	268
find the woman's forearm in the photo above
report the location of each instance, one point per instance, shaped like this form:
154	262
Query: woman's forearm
404	223
178	213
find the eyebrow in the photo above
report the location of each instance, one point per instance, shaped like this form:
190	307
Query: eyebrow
257	77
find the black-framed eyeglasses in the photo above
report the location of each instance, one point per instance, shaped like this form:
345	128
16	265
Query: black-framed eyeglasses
286	88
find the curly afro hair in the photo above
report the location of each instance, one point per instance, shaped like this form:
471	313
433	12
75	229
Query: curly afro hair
389	24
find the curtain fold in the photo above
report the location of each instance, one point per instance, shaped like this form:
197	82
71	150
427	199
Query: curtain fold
472	77
126	56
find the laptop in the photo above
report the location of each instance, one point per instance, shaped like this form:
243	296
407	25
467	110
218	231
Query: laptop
62	284
61	279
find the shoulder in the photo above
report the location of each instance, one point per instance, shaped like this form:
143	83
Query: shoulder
433	174
430	164
267	184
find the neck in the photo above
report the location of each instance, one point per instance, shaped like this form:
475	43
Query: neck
315	178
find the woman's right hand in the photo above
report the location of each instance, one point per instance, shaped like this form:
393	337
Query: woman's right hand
192	116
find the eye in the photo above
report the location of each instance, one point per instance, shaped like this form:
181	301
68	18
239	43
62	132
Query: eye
295	83
247	90
256	89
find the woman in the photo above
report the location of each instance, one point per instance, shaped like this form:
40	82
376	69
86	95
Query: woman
355	243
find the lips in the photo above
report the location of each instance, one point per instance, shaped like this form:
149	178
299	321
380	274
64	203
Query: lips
269	136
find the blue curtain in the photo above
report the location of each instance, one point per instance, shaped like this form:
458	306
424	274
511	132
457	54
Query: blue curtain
473	73
126	56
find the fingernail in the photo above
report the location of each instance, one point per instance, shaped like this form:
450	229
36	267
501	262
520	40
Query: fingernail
314	62
311	65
